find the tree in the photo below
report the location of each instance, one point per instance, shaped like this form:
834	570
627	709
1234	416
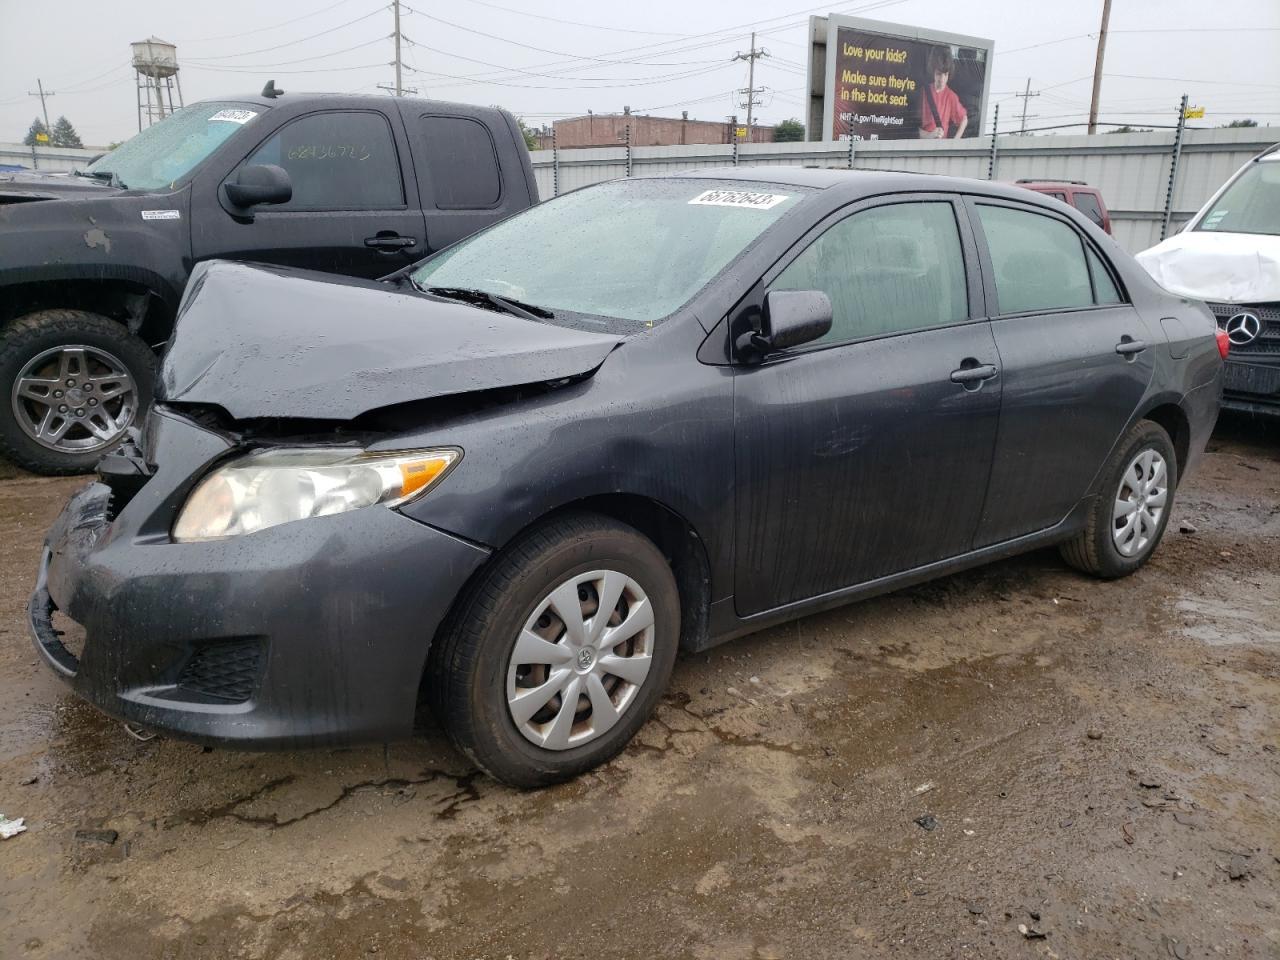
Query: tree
530	135
788	131
1241	123
64	134
37	127
1128	129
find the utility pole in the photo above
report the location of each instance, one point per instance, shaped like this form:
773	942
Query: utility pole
1097	67
395	5
751	90
1026	97
43	107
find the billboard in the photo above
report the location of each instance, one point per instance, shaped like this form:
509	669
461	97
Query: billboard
884	81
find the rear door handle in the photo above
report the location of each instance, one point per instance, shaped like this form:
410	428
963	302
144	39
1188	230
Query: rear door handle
975	374
390	243
1128	348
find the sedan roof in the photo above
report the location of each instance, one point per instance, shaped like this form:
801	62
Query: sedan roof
856	183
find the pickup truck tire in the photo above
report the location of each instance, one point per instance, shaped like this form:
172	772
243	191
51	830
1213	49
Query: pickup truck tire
71	381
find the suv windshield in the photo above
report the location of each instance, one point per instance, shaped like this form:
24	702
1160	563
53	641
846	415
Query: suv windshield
169	150
1250	205
629	250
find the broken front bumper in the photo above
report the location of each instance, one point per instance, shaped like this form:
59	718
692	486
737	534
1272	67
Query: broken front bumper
314	632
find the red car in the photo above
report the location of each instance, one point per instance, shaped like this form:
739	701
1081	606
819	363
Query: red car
1074	193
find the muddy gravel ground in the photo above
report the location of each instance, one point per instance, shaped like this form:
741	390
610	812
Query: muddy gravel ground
1012	762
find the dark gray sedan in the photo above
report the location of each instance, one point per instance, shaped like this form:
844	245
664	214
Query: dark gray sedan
649	415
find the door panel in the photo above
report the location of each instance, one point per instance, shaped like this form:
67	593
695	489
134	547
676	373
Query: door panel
1067	397
1075	364
860	461
350	211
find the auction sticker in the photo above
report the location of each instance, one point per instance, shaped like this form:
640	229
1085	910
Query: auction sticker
161	215
234	116
739	198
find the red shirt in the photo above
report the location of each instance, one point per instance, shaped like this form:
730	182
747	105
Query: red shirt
950	110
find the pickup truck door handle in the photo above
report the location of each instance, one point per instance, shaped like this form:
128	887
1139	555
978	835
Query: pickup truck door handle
390	242
1128	347
973	374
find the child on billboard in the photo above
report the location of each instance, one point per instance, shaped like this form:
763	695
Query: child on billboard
941	109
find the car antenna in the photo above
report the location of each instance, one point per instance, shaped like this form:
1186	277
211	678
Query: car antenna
270	91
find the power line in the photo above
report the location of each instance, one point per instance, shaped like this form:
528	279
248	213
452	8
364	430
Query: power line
275	26
319	56
290	43
575	23
550	76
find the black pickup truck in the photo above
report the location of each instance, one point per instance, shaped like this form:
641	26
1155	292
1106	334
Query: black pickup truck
93	264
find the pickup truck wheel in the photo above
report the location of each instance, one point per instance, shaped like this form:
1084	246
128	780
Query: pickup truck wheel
555	658
73	382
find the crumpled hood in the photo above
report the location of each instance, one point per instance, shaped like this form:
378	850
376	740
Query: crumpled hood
263	341
50	186
1225	267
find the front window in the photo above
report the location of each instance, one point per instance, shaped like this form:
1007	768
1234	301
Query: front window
167	151
630	251
1250	205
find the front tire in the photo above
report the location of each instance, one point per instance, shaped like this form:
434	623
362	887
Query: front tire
1129	515
71	383
555	658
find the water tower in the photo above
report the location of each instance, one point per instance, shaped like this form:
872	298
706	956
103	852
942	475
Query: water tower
155	62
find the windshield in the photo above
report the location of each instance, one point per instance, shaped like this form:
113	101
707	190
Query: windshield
1250	205
631	250
169	150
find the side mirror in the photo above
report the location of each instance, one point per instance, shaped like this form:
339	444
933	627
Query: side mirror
789	318
259	183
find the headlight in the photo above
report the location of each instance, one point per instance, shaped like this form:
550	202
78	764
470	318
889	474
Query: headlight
276	486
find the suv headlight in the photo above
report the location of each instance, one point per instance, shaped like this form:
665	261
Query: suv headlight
276	486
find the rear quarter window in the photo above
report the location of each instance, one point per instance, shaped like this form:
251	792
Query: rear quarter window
1088	204
462	162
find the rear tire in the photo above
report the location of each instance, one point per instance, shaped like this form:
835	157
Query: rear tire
1130	512
112	371
549	583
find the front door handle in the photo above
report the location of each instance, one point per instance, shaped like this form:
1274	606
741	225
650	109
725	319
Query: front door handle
973	375
392	242
1128	347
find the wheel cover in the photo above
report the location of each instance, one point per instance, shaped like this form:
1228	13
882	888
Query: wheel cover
580	660
1140	503
74	399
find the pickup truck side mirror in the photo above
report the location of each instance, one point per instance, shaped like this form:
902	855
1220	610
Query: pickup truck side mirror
789	318
259	183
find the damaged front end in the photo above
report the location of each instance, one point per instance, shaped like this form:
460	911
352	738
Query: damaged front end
240	571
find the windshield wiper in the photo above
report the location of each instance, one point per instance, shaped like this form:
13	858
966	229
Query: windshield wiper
107	175
528	311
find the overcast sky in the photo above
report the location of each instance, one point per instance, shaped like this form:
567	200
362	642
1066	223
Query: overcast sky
660	56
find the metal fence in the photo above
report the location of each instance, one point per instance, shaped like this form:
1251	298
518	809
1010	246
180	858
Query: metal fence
47	159
1131	169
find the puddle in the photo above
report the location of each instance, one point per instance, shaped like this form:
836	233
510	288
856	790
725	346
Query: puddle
1234	612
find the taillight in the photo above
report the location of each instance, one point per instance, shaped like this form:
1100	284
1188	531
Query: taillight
1224	343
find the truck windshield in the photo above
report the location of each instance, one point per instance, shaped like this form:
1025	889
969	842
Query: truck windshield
630	250
167	151
1250	205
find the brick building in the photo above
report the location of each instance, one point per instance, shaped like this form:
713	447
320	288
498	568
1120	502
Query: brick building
609	130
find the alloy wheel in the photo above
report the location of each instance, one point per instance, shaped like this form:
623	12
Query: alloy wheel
74	399
1140	503
580	660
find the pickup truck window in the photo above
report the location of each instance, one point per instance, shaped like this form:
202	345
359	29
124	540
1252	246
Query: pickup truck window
462	163
167	151
340	160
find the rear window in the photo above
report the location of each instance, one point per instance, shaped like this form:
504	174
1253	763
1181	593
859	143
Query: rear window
462	162
1087	204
